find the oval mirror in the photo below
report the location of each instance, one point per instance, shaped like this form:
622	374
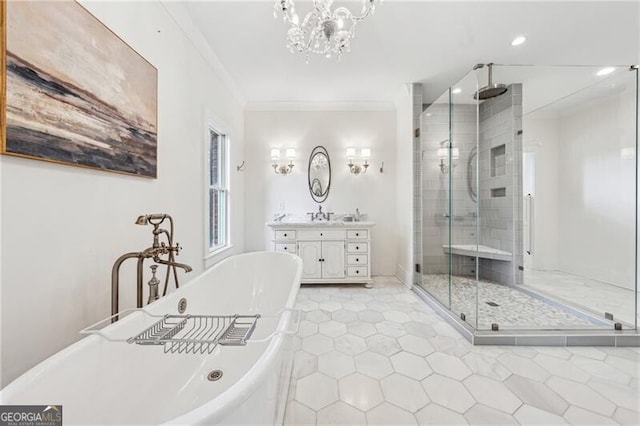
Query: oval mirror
319	174
472	174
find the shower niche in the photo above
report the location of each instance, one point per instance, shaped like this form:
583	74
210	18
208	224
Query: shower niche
491	250
498	160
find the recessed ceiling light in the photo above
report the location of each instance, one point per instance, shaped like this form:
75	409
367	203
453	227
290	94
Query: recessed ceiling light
518	40
605	71
456	90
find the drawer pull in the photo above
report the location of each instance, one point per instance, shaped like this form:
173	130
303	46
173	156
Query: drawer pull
357	271
357	247
357	234
321	234
286	248
357	260
285	235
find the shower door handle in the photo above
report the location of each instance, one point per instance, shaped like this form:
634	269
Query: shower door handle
530	202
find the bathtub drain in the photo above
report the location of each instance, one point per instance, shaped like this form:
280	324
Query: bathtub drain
182	305
215	375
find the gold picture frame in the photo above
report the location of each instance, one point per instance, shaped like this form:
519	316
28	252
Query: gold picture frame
73	92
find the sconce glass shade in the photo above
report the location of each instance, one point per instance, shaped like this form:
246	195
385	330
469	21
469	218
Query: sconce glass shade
351	153
282	169
443	153
357	169
455	153
291	153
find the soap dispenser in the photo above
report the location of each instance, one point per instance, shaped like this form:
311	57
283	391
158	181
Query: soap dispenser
357	218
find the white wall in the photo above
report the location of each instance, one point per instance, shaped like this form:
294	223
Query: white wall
373	193
63	227
404	183
597	191
585	189
541	136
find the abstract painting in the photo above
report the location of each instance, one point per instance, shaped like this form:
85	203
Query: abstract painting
74	92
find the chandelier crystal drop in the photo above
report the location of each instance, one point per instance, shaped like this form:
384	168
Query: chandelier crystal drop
322	31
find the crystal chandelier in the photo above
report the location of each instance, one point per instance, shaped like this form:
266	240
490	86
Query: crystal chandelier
322	31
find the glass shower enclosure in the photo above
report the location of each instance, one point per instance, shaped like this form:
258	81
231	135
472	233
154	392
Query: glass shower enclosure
529	200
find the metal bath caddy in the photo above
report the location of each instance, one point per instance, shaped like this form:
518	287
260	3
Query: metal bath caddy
196	334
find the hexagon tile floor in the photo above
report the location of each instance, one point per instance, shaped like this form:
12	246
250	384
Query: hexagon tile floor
381	356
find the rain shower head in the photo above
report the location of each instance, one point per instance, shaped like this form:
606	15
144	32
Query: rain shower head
490	90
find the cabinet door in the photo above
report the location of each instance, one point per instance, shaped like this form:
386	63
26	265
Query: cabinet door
311	253
333	263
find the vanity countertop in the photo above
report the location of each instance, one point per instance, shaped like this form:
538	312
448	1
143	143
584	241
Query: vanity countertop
301	223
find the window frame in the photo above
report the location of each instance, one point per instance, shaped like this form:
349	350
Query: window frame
222	186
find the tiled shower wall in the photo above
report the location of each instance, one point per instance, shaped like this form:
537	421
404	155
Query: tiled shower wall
436	212
498	218
500	165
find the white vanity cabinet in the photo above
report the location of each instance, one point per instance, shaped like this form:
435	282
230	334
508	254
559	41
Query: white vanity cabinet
331	252
322	259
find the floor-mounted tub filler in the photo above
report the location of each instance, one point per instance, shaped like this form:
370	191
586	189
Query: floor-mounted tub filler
185	359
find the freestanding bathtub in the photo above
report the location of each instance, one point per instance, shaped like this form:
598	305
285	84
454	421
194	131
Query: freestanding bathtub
102	381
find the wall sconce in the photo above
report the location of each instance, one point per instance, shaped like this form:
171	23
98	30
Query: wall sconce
443	154
282	169
356	169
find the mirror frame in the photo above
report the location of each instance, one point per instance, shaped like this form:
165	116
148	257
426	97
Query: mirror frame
319	150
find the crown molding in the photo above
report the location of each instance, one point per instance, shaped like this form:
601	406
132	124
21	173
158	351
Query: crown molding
320	106
181	17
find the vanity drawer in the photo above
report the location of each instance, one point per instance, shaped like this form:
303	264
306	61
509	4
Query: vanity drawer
357	247
357	259
356	234
321	234
286	248
357	271
286	235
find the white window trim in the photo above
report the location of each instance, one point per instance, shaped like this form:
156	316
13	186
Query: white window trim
217	126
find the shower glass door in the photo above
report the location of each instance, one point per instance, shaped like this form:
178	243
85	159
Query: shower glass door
529	198
436	160
558	199
450	199
462	176
580	194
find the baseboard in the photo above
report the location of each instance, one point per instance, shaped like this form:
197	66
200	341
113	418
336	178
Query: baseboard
403	276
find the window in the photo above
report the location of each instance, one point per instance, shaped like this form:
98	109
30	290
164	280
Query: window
218	205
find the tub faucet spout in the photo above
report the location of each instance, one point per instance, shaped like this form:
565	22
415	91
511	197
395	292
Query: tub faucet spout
186	267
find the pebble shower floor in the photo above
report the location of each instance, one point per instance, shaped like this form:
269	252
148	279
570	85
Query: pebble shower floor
514	309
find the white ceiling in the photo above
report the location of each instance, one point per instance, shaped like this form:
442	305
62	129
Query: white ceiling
435	43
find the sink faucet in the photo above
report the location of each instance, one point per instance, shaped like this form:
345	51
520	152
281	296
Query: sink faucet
320	215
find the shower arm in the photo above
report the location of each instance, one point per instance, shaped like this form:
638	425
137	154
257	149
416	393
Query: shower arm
490	66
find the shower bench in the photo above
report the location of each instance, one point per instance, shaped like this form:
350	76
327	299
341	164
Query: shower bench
473	250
